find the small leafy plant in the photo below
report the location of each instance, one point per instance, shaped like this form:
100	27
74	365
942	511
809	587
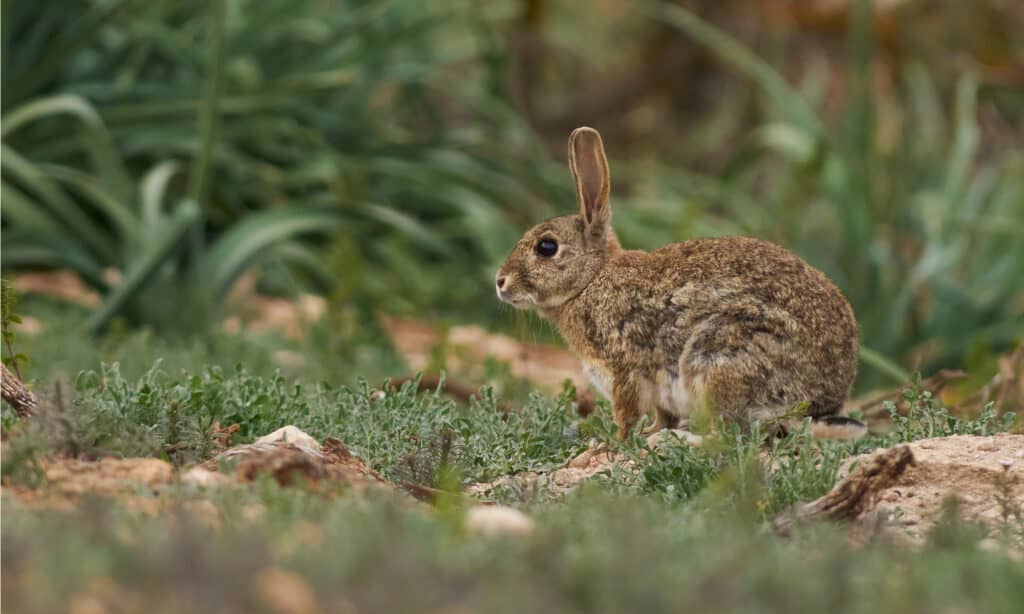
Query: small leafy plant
401	432
8	304
927	418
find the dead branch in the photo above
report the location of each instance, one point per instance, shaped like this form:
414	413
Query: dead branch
459	391
854	495
873	409
422	492
17	395
1005	389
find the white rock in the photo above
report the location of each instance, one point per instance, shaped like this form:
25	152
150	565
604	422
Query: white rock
203	478
497	521
290	434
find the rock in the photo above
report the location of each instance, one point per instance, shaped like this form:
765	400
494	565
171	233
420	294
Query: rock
291	456
290	434
498	521
86	604
204	512
203	478
284	592
596	457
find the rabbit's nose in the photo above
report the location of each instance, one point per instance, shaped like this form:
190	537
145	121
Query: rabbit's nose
501	282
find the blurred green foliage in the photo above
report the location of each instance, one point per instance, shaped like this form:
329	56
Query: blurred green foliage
921	230
390	152
181	142
594	553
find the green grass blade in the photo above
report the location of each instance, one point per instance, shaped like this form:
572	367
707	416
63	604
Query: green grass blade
209	116
25	214
965	145
118	212
57	51
62	208
883	365
94	136
245	242
154	191
45	108
407	225
147	264
309	260
787	99
208	123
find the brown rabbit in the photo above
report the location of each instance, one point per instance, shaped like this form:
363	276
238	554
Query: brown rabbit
737	325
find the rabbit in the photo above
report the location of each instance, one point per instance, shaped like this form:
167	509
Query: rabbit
736	326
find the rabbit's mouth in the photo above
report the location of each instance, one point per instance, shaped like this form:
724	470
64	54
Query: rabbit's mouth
516	300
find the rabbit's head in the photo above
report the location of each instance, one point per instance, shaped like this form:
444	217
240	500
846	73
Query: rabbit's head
556	259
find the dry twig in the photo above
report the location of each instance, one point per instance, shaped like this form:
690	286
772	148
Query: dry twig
17	395
854	495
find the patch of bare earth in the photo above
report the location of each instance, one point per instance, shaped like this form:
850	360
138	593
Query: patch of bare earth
558	482
588	464
288	456
67	480
981	472
908	484
466	348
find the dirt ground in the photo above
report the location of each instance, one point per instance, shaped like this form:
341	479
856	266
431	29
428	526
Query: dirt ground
287	455
985	474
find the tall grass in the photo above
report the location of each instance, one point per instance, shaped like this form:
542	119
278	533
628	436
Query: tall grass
372	149
246	126
921	229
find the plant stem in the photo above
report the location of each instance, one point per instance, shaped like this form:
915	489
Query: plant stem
883	365
185	217
207	125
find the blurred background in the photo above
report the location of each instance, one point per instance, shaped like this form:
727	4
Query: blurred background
167	157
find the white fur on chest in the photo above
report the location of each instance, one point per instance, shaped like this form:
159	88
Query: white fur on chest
599	377
665	392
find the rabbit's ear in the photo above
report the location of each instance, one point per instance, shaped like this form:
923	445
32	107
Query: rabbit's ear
590	170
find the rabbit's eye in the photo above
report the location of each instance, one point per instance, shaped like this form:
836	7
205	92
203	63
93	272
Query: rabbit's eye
547	247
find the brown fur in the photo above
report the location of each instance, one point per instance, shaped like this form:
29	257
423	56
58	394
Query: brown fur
735	324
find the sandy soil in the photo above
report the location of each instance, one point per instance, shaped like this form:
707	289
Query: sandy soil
986	475
966	467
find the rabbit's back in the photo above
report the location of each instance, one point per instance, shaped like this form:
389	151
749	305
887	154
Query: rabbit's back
738	319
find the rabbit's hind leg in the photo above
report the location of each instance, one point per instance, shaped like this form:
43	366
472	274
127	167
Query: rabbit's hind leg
665	420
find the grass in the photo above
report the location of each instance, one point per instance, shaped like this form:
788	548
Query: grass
685	530
411	435
252	133
594	552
